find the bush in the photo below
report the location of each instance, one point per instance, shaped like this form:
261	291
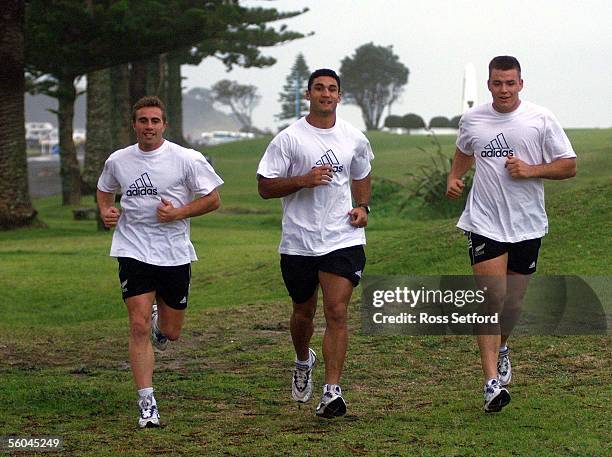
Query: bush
413	121
440	122
454	122
392	121
430	185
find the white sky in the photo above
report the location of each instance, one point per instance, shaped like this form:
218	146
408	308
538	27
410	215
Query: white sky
564	46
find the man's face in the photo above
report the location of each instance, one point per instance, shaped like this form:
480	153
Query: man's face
505	86
324	95
149	128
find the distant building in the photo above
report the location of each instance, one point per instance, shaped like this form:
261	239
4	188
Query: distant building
44	136
223	136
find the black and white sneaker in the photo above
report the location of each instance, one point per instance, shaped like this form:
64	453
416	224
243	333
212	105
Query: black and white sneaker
149	417
332	404
495	396
504	368
301	383
159	340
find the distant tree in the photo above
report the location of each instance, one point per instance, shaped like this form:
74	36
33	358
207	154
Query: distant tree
293	103
413	121
373	78
241	99
15	204
439	122
75	37
247	30
392	121
454	122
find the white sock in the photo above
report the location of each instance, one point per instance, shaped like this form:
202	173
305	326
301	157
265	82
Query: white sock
332	388
307	363
142	393
489	381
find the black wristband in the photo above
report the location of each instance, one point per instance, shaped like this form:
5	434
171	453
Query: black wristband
364	206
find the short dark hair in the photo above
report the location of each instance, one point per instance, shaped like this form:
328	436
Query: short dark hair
149	101
504	63
323	72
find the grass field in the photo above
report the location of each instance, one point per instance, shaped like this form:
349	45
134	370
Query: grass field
223	389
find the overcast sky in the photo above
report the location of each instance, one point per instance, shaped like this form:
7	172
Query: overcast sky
564	46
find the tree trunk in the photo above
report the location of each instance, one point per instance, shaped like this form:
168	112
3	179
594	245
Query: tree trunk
121	117
70	171
174	98
138	81
153	77
15	205
99	141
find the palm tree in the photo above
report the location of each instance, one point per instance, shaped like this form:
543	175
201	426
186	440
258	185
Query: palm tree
15	204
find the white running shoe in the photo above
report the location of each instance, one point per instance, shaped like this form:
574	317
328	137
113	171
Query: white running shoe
332	404
495	396
159	340
149	417
504	368
301	384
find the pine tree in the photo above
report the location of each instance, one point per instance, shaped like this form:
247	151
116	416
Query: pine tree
292	96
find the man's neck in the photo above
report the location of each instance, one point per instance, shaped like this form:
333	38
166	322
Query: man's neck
149	148
321	122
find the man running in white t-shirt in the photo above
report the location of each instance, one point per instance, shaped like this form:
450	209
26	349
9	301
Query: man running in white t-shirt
312	166
159	181
514	144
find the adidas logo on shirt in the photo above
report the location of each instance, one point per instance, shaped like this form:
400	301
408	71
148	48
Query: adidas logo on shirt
142	186
497	147
329	158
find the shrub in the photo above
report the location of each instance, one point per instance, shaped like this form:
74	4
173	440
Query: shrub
440	122
413	121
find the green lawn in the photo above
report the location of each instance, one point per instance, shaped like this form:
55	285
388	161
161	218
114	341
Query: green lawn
224	388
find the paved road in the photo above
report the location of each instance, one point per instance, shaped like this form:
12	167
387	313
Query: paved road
43	176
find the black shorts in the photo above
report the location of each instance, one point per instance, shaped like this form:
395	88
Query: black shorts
522	256
170	283
301	273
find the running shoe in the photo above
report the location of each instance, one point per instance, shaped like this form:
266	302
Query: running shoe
159	340
332	404
504	368
301	384
149	417
495	396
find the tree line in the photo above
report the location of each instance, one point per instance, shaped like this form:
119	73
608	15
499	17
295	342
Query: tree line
126	49
130	48
414	121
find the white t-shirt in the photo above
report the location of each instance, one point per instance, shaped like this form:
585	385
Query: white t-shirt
316	220
171	171
501	207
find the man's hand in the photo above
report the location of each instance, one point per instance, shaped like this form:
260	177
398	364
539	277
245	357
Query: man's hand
359	217
318	176
166	212
518	169
110	216
454	188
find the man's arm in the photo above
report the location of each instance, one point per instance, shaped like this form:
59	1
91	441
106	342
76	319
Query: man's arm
461	164
281	187
558	169
362	190
106	205
206	204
